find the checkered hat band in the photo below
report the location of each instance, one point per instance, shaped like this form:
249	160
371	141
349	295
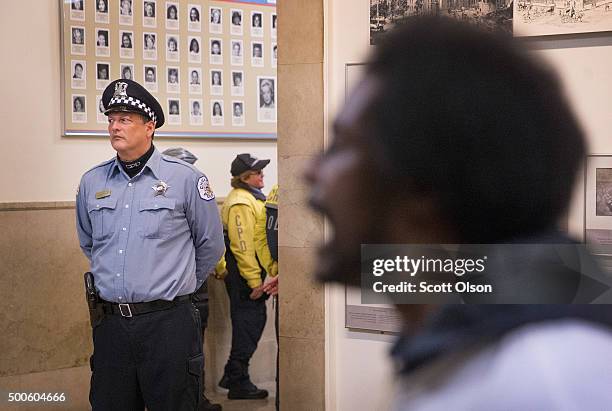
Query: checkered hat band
134	102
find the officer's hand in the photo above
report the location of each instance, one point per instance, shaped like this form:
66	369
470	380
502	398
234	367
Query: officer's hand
271	286
221	276
256	292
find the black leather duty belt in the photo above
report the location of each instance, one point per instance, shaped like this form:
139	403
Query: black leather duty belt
132	309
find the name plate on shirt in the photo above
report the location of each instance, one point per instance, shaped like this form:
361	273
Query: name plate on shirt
102	194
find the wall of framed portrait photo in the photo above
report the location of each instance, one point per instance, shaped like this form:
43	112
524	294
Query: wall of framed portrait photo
211	64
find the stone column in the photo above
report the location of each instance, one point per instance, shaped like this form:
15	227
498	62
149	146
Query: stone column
300	138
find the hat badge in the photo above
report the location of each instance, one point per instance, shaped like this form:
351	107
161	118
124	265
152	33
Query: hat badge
120	90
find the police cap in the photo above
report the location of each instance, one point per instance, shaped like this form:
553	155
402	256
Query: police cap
129	96
245	162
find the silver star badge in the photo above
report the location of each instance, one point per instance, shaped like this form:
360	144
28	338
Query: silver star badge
160	188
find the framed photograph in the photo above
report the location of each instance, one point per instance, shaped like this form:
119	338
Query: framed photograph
238	113
77	40
77	10
149	46
101	11
172	16
195	80
273	25
237	83
216	113
598	204
173	83
195	21
172	47
100	116
237	53
79	74
126	44
216	21
149	13
196	115
79	108
150	78
266	92
257	54
495	16
533	18
216	51
256	24
216	82
274	55
236	22
195	55
126	12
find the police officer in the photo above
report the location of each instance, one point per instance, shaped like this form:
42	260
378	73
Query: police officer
267	229
200	297
244	282
149	225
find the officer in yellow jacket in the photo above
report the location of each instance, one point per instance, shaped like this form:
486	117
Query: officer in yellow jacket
246	273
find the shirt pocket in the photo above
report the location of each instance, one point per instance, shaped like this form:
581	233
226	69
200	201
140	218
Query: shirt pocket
101	214
155	216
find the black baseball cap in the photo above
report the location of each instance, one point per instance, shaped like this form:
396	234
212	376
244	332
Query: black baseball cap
129	96
245	162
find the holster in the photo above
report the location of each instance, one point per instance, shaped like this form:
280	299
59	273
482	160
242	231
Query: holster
96	311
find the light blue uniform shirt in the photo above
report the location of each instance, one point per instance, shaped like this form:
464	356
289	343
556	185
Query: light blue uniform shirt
142	246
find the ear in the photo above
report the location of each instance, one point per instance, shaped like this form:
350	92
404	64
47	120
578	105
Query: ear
150	128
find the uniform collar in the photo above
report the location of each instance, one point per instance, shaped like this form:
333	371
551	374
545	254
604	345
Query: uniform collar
153	164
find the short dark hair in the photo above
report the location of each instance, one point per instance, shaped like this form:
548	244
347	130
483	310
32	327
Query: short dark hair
468	117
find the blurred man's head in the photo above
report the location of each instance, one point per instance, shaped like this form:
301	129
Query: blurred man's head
453	136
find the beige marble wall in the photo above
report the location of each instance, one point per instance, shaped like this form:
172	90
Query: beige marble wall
46	336
300	138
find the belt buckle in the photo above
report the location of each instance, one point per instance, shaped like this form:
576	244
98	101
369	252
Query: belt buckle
129	310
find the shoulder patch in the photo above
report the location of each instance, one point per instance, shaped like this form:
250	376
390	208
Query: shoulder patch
204	189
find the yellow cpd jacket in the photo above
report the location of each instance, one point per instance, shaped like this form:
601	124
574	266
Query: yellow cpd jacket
261	239
239	215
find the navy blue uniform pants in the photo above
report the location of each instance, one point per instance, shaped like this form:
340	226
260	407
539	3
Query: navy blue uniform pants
152	360
248	322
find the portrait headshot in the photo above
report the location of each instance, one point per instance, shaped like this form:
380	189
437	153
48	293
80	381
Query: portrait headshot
215	78
126	40
215	47
150	74
173	75
102	38
236	48
101	108
215	15
149	9
194	78
102	6
256	20
236	18
194	15
237	79
194	46
125	8
77	71
196	109
174	107
238	111
172	44
217	109
172	12
102	71
127	72
78	35
149	41
266	93
257	50
76	5
78	104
